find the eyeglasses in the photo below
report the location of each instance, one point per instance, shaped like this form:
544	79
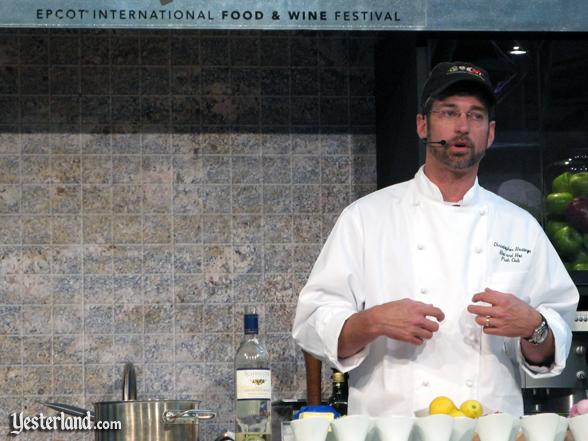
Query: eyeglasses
473	116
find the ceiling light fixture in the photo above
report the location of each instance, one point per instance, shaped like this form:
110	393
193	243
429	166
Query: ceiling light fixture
517	50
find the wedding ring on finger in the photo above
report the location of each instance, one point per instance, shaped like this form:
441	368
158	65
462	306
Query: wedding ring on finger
487	322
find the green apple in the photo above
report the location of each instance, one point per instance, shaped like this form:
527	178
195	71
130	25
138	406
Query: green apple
579	184
581	257
580	266
556	203
553	226
561	183
567	241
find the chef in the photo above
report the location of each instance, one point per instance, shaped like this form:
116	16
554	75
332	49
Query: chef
437	286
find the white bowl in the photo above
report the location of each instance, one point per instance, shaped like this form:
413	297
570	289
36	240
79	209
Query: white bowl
351	427
497	427
394	427
434	428
540	427
463	429
310	428
579	427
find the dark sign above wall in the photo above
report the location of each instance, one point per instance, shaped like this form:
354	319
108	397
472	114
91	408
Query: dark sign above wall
466	15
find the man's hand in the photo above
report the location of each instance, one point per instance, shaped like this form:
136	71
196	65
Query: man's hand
507	315
404	320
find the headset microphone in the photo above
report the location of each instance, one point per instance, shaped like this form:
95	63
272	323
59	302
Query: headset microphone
440	142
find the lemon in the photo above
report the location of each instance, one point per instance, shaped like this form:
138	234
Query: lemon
472	408
441	405
456	413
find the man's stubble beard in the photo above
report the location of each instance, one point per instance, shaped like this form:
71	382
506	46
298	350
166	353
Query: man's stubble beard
462	162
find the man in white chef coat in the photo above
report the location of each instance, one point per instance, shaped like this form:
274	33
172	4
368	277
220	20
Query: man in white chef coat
436	286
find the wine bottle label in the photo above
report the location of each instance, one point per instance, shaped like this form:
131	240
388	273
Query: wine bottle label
254	384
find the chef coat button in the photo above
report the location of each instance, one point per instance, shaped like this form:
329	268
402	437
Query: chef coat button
417	203
420	246
469	383
478	250
425	383
482	212
423	290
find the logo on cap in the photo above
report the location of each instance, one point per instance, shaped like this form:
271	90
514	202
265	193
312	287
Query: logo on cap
465	69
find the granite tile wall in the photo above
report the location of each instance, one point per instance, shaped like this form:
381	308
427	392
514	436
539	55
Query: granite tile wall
154	183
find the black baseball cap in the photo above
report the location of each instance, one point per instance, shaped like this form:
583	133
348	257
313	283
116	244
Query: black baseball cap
447	74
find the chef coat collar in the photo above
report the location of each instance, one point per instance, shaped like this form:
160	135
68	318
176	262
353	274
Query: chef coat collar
429	190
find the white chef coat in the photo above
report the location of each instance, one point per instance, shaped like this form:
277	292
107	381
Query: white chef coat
404	241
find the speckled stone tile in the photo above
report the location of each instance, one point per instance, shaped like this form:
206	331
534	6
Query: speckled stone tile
334	198
304	256
281	347
36	289
277	288
186	140
364	169
247	259
11	378
329	220
97	259
36	229
35	170
97	229
9	140
96	169
305	141
189	319
247	199
247	288
217	288
98	319
216	229
188	169
187	259
246	228
10	260
67	380
10	230
158	378
99	379
66	199
36	259
219	379
66	229
128	289
10	195
246	143
157	258
156	140
128	348
97	198
96	139
277	258
216	141
98	349
159	318
127	199
127	229
277	228
334	144
335	169
10	349
185	80
36	350
217	259
277	199
66	169
215	81
36	380
126	170
98	289
67	319
217	169
215	198
285	379
157	288
10	319
218	318
36	319
188	288
190	378
67	289
364	111
35	199
219	347
187	198
187	229
157	169
159	348
307	229
275	111
11	286
68	349
280	317
34	141
363	144
157	229
127	259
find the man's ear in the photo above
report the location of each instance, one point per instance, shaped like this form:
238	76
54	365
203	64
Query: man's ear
421	125
491	132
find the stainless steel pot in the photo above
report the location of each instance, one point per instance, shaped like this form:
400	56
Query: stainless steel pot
143	420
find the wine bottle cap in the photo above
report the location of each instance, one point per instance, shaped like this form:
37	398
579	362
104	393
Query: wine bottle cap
338	377
250	323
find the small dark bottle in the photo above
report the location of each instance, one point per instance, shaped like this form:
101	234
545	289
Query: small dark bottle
338	399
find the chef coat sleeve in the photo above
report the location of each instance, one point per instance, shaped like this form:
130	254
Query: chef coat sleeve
552	292
333	293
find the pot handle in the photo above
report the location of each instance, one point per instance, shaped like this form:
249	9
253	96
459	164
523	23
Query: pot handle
190	416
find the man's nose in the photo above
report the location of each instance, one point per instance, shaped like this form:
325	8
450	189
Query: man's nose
462	123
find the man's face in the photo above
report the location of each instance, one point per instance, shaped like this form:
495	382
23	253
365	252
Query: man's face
462	121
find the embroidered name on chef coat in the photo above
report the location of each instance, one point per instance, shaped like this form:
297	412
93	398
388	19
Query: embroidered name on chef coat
511	253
